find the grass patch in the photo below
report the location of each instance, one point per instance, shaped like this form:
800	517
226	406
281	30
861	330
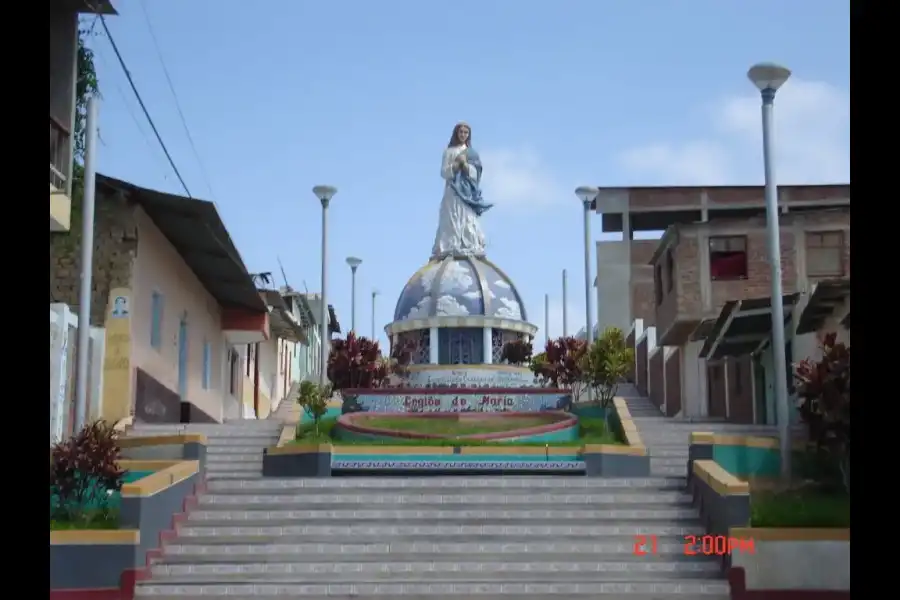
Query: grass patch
451	426
102	519
804	507
591	431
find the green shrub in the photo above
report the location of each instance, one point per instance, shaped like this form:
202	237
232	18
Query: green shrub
802	508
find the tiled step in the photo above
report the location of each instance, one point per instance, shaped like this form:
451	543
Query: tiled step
378	532
610	548
485	569
440	590
471	500
582	516
449	484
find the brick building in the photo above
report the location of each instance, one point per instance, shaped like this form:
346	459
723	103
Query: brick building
177	303
625	287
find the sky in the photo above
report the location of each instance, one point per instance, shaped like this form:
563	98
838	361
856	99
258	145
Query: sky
364	95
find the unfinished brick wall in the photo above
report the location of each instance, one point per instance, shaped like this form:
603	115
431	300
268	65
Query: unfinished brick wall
643	305
115	247
657	377
672	375
759	273
640	354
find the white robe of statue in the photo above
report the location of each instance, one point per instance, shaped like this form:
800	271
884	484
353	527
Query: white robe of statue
459	231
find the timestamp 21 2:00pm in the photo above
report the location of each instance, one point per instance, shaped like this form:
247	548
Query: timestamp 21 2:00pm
697	545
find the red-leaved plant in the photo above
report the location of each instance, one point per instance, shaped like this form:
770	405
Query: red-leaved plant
356	362
560	364
823	390
83	470
517	352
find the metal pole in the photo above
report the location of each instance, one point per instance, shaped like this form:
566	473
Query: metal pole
323	327
589	329
778	341
565	307
374	293
353	299
546	318
87	263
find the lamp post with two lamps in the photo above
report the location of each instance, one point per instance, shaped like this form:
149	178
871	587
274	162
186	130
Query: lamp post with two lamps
768	77
324	193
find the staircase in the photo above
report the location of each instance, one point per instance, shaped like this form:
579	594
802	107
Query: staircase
234	450
668	439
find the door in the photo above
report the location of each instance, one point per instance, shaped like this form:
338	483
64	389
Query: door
759	391
182	358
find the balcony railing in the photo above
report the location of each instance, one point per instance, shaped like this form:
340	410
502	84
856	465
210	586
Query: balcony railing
59	154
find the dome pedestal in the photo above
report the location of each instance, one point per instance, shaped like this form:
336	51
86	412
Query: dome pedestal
455	314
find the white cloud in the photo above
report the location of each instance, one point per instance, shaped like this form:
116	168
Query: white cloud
448	306
509	310
517	178
456	277
502	284
420	310
812	142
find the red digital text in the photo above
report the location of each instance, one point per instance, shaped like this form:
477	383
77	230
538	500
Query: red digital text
696	545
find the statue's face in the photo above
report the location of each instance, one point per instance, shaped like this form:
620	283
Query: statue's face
463	134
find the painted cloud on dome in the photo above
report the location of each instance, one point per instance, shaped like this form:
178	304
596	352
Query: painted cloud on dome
509	309
420	310
500	283
448	306
457	277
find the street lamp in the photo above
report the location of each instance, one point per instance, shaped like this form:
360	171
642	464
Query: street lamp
768	77
354	264
374	293
324	193
587	194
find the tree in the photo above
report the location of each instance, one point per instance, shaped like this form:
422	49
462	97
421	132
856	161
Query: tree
560	365
313	398
823	390
356	362
517	352
606	363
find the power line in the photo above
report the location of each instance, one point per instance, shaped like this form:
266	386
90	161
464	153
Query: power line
112	42
187	130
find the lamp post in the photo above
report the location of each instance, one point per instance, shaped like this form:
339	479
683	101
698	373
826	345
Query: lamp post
374	293
324	193
768	77
354	264
587	194
565	308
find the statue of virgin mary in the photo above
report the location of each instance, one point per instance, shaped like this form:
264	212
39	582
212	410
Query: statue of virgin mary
459	230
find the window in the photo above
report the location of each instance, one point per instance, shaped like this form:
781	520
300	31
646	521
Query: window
234	370
825	253
207	365
670	270
728	257
156	317
657	284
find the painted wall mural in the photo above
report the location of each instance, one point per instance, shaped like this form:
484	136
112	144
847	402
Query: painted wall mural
467	401
471	378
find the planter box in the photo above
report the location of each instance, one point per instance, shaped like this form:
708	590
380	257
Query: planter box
297	460
105	564
803	564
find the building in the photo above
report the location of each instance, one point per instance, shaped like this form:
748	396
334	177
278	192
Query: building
176	301
63	76
706	351
625	290
289	356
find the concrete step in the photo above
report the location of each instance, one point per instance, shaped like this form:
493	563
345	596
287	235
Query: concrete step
681	452
222	449
523	484
197	534
486	569
581	516
215	459
223	475
446	500
610	548
671	471
659	589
